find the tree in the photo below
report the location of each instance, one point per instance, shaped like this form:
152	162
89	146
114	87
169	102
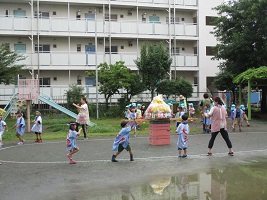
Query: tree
167	87
175	87
224	81
74	94
112	78
184	87
134	87
241	31
154	65
8	68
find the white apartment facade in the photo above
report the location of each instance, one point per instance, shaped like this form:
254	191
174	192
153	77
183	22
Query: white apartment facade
75	35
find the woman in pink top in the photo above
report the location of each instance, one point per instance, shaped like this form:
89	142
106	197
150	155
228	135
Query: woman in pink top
218	124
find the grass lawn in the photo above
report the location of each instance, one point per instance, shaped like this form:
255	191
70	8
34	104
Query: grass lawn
55	129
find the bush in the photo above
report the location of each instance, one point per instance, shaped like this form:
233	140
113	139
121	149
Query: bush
74	94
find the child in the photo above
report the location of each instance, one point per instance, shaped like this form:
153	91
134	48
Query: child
183	131
179	114
238	117
207	121
71	141
20	127
232	114
133	117
37	126
245	117
121	141
126	112
191	110
3	127
138	115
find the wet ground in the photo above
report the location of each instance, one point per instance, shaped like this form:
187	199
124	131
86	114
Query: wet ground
41	171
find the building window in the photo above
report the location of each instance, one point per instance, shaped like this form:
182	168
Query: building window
44	82
43	48
175	51
20	48
113	17
44	15
114	50
210	51
79	47
177	19
195	81
79	80
210	21
90	81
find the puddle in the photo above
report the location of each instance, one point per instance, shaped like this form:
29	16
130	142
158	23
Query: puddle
235	182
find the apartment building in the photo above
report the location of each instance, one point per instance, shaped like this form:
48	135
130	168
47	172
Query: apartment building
62	39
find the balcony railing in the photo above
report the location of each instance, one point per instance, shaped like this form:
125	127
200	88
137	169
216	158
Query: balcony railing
86	59
166	2
56	25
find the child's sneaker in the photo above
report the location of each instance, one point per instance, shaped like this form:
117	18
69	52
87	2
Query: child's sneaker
131	157
40	141
180	156
135	135
23	140
69	156
20	143
73	162
184	156
37	140
113	159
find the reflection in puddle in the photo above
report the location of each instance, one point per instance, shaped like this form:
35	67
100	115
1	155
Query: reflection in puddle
234	182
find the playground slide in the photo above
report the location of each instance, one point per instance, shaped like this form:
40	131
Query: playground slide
48	100
8	108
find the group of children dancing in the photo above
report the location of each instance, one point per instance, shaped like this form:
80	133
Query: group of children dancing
122	140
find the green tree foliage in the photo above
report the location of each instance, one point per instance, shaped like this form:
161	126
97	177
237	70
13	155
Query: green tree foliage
241	31
154	65
224	81
134	87
167	87
180	86
8	68
184	87
114	77
74	95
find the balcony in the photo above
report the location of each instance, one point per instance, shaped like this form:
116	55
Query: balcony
83	26
160	2
61	60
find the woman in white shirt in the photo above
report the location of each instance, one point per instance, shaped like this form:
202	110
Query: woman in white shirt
83	116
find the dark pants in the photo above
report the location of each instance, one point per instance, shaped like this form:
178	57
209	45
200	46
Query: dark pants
225	136
84	129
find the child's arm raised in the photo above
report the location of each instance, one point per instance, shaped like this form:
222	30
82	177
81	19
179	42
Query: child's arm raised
79	132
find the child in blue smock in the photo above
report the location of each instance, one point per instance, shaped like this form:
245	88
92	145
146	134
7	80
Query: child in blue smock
207	121
133	117
71	141
122	141
37	126
183	131
20	127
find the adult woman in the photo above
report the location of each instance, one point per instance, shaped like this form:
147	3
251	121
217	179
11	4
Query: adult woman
83	116
218	124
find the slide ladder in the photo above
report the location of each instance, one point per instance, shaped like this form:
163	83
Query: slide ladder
10	105
48	100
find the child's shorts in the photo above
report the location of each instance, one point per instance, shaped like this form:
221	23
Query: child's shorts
121	148
238	120
181	148
39	133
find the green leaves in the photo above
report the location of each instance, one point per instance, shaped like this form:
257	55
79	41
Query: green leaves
153	64
252	74
241	31
224	81
117	76
8	68
177	87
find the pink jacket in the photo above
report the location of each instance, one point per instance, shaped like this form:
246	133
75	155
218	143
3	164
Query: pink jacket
215	118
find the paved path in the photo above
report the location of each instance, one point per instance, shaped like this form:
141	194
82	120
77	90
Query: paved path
42	170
